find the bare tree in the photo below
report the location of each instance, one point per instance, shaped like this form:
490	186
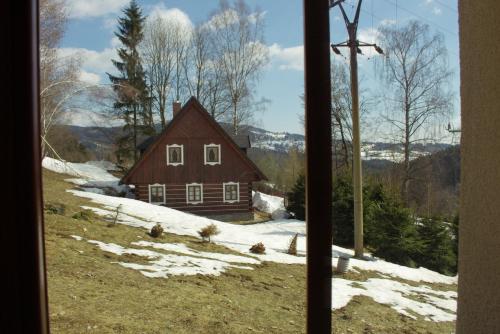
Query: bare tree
417	76
202	73
58	75
158	55
238	44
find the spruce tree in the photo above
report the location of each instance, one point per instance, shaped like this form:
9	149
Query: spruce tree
297	198
437	251
130	85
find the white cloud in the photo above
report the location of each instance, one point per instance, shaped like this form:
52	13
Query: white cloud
291	58
171	15
92	61
94	8
89	77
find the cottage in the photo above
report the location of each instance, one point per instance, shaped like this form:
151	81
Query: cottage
195	166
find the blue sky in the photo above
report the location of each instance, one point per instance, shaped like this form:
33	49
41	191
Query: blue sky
92	23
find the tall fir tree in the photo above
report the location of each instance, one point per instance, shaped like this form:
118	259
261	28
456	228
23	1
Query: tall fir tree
132	103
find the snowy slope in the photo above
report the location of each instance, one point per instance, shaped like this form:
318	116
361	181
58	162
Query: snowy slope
276	235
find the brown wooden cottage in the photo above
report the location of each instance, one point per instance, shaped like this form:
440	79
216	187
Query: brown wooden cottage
195	166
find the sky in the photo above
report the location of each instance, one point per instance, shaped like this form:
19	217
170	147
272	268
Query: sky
90	33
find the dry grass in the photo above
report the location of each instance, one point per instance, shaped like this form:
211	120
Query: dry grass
90	294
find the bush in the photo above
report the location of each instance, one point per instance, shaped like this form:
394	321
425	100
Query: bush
208	231
292	248
86	214
258	248
156	231
297	198
55	209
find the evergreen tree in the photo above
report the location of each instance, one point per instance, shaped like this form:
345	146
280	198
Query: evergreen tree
391	231
297	198
437	246
343	211
132	102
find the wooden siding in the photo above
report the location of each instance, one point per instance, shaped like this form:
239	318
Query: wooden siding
213	200
193	131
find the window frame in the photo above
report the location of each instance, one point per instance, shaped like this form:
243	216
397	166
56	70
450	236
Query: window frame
194	184
211	163
181	163
237	184
164	194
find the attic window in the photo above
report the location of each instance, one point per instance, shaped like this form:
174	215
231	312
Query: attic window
175	155
157	193
194	193
212	154
231	192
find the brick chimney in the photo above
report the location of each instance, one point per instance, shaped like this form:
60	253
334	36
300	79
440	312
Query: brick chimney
176	108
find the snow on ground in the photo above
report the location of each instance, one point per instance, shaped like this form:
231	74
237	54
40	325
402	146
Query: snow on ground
273	205
91	174
439	306
276	236
165	265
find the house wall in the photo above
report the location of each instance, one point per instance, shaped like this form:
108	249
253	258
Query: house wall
213	201
479	249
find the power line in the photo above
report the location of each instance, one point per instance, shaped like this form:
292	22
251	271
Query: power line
423	18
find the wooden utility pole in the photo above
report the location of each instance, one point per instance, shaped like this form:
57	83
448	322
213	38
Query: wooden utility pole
354	47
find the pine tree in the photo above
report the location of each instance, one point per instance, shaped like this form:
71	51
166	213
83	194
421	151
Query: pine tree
297	198
132	102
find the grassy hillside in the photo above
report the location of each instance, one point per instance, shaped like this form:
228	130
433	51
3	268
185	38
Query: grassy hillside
90	293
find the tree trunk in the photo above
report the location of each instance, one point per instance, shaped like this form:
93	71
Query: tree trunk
407	172
135	133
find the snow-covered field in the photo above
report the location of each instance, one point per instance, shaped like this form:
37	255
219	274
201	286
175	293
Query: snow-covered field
275	235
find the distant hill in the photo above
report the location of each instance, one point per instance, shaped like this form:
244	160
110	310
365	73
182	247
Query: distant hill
102	138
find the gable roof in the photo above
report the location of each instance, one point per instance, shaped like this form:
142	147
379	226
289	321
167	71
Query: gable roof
193	103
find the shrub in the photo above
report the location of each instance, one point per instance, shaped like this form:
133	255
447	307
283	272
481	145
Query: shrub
297	198
258	248
208	231
156	231
56	209
292	248
86	214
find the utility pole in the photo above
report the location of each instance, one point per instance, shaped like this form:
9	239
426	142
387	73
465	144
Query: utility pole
354	47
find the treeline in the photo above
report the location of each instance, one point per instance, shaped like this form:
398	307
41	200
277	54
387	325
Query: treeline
163	59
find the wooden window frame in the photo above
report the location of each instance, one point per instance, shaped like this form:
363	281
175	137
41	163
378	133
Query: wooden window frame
201	193
211	163
168	155
237	184
164	194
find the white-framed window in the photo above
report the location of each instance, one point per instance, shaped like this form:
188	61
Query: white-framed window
157	193
212	154
175	155
194	193
231	192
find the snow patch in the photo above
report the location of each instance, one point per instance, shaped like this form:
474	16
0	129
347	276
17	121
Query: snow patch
396	295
